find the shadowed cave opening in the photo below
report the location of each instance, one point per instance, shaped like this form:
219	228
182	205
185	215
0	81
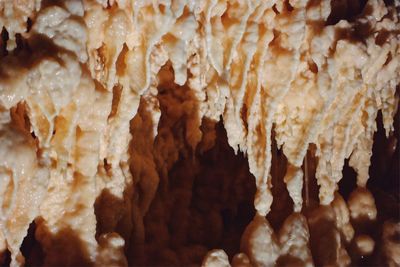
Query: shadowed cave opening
206	203
204	199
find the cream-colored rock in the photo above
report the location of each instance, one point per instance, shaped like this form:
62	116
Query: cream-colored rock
294	182
326	242
361	204
365	244
14	18
23	186
111	251
294	240
259	243
64	28
342	214
216	258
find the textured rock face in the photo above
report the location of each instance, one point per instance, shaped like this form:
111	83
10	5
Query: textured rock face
179	132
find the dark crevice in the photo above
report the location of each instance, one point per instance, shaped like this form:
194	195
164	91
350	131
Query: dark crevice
310	187
3	43
345	10
349	181
5	258
31	249
312	66
385	173
206	203
275	9
28	25
117	90
288	6
281	209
